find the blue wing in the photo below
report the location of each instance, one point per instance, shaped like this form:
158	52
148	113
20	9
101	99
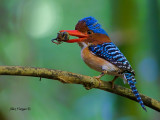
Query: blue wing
111	53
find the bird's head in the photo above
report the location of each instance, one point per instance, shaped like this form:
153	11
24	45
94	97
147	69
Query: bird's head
88	31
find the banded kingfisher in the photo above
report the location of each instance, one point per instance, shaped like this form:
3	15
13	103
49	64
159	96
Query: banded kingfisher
101	54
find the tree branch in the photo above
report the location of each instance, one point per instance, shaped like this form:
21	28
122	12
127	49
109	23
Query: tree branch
72	78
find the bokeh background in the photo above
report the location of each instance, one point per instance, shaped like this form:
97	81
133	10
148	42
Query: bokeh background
26	30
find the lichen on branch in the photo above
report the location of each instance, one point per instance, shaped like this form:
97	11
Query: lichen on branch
73	78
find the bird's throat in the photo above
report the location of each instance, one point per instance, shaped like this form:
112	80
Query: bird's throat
82	45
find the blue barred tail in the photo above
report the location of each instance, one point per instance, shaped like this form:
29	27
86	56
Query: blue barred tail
131	81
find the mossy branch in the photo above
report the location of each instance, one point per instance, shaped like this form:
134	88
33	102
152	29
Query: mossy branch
72	78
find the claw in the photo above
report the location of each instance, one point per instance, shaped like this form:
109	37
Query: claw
98	77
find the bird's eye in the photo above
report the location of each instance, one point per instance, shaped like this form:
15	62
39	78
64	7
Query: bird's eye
89	32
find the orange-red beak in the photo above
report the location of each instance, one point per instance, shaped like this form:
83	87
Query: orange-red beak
76	33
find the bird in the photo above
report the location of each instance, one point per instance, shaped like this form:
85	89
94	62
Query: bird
101	54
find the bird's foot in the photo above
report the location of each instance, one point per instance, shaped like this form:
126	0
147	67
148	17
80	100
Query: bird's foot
112	81
91	85
98	78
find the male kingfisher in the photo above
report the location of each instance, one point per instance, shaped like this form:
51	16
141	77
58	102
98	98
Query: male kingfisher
100	54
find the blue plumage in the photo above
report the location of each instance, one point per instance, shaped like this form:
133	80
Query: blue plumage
111	53
130	79
99	53
93	25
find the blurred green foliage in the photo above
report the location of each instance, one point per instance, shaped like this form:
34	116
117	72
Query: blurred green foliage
26	30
